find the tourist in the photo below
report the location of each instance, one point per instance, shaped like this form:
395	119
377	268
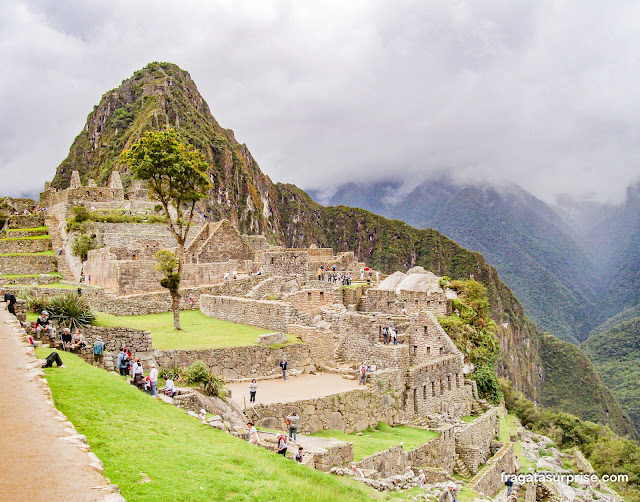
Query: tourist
59	251
54	357
283	366
203	416
235	275
226	276
394	335
509	485
319	273
191	301
377	276
385	334
253	388
292	421
42	322
409	472
298	456
89	278
98	350
253	433
361	274
78	341
10	300
153	380
169	388
363	374
30	339
404	310
356	472
422	478
66	339
138	374
122	362
282	445
79	291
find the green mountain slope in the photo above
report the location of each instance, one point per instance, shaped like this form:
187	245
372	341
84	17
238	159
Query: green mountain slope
616	355
163	94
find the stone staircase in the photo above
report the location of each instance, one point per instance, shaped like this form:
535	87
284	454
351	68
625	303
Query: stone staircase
461	468
479	406
57	243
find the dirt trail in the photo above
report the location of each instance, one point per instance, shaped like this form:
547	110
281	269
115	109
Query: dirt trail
36	462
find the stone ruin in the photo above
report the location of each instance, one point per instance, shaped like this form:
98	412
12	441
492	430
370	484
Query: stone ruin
418	381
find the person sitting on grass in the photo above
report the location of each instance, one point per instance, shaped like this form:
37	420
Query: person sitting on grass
54	357
298	456
42	323
169	388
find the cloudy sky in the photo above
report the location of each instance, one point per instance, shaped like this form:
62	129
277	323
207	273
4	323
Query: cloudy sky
539	93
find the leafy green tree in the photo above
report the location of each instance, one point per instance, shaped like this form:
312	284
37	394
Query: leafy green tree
176	177
82	244
168	265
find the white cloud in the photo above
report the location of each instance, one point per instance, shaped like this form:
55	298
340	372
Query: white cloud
542	94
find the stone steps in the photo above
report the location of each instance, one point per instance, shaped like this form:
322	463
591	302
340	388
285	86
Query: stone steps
461	468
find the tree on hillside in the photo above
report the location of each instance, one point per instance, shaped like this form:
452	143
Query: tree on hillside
176	177
168	266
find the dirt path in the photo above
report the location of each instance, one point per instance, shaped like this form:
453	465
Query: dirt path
294	389
36	462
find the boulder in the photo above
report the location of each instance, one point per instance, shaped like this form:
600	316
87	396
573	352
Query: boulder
272	338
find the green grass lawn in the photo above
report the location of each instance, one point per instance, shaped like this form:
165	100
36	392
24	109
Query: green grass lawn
29	276
43	253
381	438
54	285
32	237
198	330
510	423
35	229
138	437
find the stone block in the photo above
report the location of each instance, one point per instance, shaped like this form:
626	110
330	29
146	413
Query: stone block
272	339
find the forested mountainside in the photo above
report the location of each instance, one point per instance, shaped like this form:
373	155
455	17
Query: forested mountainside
530	245
616	356
162	94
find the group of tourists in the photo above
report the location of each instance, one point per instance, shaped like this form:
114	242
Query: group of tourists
389	334
364	371
334	277
128	366
293	420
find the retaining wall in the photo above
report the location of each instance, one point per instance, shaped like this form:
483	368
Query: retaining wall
489	480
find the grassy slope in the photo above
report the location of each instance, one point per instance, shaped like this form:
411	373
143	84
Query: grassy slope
616	355
380	439
33	237
133	434
35	229
53	285
198	330
29	276
43	253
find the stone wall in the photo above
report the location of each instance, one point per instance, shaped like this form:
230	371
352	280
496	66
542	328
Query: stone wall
21	310
267	314
319	342
473	441
245	362
388	462
284	262
349	411
335	454
15	245
310	299
25	220
438	387
427	340
413	301
28	264
489	480
437	452
222	243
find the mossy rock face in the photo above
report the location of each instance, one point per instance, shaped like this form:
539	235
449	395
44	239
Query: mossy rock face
162	94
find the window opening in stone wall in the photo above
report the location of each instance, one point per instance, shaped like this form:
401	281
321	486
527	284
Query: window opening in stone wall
415	400
424	391
441	350
426	330
428	351
449	382
433	389
415	350
309	296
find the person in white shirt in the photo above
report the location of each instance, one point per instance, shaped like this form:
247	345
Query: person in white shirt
253	433
153	380
169	388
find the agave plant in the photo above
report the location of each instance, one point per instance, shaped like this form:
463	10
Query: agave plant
213	385
36	303
70	311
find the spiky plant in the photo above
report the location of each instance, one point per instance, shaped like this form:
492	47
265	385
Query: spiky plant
70	311
213	385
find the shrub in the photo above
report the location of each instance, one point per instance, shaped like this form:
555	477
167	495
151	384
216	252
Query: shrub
213	385
36	303
197	372
70	311
488	384
82	244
